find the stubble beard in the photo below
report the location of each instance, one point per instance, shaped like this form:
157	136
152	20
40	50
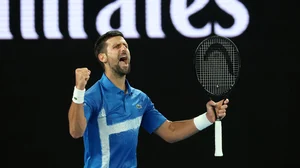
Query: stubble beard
118	71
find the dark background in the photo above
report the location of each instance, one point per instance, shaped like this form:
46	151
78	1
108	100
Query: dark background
37	79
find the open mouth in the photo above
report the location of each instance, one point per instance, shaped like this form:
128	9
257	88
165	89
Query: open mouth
124	59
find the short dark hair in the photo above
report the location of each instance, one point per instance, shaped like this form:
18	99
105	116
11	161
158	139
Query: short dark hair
100	45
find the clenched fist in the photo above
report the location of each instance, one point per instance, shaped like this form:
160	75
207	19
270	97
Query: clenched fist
82	76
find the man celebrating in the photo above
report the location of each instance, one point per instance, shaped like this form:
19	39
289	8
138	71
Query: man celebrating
109	114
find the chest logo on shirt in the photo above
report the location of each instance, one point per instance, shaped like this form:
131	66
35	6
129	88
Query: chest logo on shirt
138	106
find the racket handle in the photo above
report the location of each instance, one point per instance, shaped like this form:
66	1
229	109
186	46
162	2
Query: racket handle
218	138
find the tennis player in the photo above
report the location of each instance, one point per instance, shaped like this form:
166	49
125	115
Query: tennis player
110	113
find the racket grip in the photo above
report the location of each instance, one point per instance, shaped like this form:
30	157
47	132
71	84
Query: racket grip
218	138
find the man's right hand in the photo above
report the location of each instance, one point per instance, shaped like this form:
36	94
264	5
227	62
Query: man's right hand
82	76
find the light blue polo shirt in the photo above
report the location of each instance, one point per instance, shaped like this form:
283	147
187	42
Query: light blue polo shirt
113	122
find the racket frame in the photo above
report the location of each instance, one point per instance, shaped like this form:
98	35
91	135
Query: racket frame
217	97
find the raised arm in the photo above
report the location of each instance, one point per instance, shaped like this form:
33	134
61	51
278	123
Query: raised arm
174	131
77	120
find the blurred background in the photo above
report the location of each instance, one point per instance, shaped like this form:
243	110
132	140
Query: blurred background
42	42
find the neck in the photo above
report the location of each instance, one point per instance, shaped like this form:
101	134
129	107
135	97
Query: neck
118	81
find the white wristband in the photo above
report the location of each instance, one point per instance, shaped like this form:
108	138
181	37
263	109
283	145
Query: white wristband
78	96
201	122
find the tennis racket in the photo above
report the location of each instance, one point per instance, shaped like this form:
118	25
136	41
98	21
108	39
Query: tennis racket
217	66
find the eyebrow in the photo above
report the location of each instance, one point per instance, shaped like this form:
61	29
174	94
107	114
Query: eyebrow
118	43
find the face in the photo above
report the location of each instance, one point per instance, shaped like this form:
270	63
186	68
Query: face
118	56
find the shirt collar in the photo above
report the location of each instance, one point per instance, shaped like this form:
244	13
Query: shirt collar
105	81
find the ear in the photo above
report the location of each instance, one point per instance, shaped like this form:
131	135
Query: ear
102	57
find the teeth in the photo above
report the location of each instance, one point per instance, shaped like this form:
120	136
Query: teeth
123	56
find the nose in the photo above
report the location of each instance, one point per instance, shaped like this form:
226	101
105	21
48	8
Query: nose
123	47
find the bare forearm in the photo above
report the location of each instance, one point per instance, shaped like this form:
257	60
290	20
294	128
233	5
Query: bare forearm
174	131
181	130
77	120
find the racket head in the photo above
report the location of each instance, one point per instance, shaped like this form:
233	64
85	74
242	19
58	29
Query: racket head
217	65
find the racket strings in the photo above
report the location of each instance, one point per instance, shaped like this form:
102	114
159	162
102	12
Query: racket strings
217	65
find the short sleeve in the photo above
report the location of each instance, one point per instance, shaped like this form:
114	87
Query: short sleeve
87	111
91	102
152	118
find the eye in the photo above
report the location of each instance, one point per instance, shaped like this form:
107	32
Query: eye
117	46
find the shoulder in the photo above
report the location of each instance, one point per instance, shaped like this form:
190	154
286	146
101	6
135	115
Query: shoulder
95	89
138	92
141	95
93	96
